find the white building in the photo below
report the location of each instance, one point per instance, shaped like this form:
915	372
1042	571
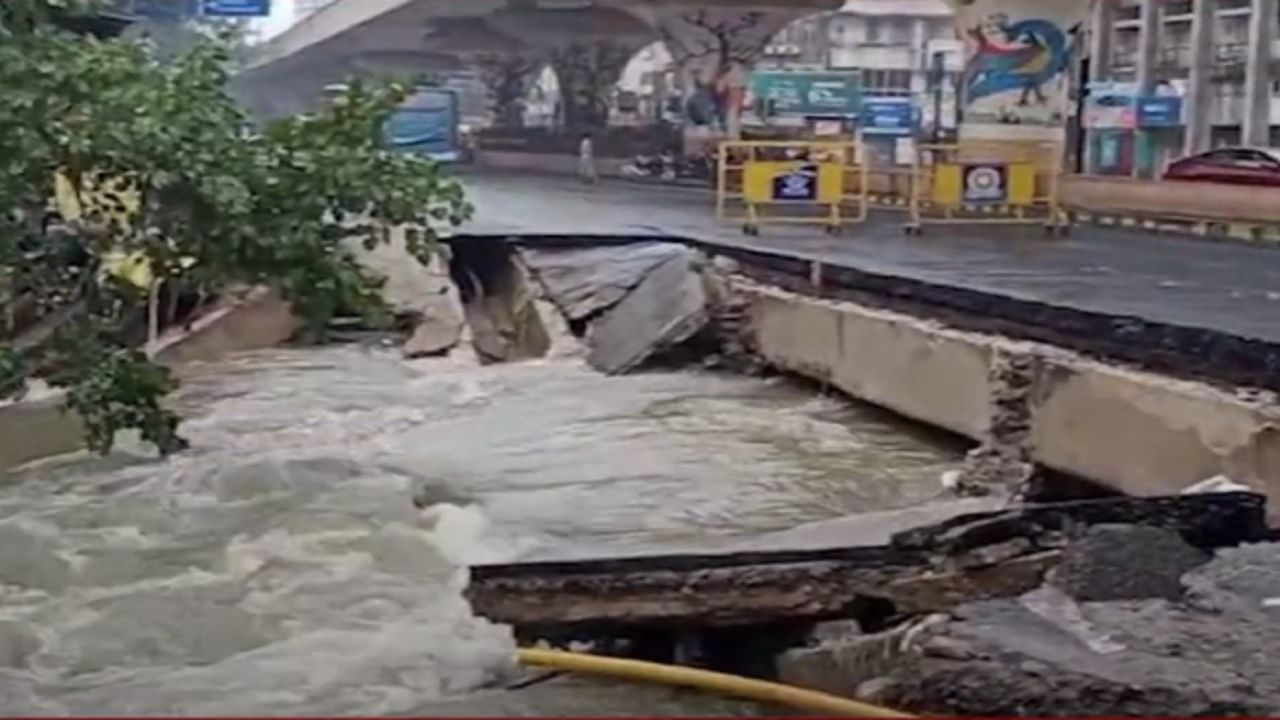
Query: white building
891	42
1222	56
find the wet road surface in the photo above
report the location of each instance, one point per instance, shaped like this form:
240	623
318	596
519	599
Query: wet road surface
1227	286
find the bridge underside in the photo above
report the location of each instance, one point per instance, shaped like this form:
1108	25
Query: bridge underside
1017	71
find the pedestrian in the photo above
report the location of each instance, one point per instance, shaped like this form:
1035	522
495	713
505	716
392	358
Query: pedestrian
586	159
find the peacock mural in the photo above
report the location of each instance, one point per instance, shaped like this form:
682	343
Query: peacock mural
1017	65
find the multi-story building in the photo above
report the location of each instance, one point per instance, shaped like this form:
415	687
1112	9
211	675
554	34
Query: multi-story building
1220	56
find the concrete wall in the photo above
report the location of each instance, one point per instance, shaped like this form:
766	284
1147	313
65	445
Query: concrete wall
1192	200
1136	432
35	429
259	320
545	163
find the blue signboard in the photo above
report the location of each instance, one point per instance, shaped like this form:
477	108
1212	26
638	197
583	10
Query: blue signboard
235	8
1159	111
426	125
892	116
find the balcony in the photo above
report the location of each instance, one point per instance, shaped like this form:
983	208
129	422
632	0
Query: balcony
1229	59
1174	57
1124	57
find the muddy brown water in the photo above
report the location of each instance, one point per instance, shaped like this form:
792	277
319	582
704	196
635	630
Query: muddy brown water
281	567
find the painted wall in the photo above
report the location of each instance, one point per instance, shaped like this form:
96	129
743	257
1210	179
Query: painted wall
1018	64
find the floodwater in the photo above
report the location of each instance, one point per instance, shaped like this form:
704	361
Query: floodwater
280	567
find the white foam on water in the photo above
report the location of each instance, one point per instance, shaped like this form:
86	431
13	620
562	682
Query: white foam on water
280	566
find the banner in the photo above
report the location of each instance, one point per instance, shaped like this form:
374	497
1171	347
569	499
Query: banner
801	93
1111	105
1017	59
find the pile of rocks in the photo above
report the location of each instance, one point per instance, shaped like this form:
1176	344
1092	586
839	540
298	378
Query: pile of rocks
1133	620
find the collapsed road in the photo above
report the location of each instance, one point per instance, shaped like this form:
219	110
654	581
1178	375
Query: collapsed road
991	613
1029	609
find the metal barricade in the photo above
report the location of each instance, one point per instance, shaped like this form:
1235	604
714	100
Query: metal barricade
791	182
1005	183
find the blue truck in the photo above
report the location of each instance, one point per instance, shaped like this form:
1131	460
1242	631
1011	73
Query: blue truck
428	124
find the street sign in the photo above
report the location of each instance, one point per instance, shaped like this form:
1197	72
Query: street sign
887	116
985	183
235	8
1159	112
808	94
799	183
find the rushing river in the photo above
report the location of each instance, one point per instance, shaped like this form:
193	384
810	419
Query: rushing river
279	567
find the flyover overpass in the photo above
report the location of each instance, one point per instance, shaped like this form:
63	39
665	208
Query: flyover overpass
593	39
1018	51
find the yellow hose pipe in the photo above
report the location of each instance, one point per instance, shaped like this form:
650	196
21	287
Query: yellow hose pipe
732	685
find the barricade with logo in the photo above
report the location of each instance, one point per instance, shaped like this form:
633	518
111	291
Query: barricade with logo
987	182
791	182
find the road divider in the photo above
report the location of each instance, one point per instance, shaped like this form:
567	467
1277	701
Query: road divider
992	183
1238	212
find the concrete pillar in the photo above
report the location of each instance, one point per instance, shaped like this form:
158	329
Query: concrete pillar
1148	45
1198	97
1257	79
1101	24
1019	94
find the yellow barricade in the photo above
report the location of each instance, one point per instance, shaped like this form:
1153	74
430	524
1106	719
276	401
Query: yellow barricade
1009	183
791	182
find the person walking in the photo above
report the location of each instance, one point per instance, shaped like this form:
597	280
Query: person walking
586	160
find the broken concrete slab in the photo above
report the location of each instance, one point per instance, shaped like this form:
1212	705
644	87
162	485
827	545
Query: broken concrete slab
637	300
1045	654
667	308
932	569
582	282
258	318
432	337
1126	562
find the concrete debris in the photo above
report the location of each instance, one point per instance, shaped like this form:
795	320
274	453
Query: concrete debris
635	300
1005	460
433	336
583	282
1126	562
1046	654
1216	484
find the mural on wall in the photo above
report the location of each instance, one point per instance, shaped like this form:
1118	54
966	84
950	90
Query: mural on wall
1019	59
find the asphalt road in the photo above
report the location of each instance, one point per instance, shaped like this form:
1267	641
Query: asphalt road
1230	287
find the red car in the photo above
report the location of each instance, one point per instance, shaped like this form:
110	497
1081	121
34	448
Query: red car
1231	165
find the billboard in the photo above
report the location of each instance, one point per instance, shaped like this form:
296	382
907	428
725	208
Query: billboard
807	94
1111	105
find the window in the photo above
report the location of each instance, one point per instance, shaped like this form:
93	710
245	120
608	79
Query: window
873	30
887	82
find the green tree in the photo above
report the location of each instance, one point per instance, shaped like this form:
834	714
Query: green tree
164	164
